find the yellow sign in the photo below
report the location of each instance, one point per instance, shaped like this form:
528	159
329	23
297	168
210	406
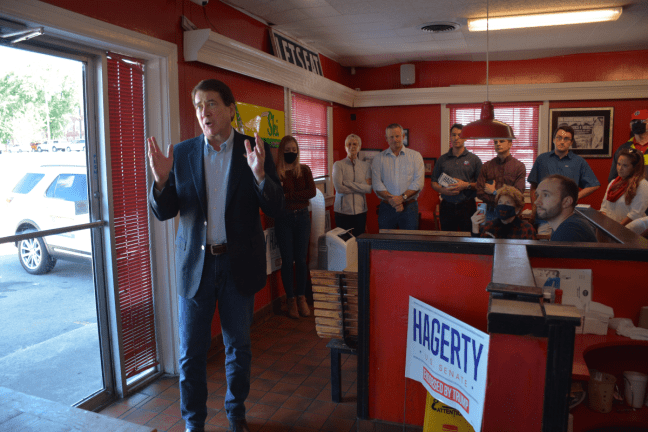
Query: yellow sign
268	123
439	417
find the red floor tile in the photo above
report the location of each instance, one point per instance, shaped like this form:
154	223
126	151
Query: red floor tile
290	387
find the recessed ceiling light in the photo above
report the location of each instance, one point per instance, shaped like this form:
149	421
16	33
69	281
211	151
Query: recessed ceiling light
546	19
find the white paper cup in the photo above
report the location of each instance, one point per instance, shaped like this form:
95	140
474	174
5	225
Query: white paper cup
635	388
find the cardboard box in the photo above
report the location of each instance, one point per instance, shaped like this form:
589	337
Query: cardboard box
576	284
595	323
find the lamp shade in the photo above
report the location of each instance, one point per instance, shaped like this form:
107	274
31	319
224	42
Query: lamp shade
487	127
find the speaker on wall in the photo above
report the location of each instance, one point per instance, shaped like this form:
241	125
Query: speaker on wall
408	74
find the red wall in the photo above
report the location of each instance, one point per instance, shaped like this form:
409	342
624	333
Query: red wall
423	121
614	66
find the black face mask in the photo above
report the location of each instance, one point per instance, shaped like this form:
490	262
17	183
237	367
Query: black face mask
290	157
638	127
505	211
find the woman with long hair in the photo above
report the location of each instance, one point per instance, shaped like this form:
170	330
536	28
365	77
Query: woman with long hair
626	198
293	227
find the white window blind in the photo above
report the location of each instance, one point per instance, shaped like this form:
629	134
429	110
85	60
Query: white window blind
309	126
522	117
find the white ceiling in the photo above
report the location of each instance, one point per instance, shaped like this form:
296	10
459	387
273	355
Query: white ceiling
380	32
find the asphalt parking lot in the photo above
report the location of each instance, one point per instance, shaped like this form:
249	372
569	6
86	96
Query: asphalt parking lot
49	344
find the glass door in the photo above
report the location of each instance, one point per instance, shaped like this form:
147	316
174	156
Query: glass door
53	336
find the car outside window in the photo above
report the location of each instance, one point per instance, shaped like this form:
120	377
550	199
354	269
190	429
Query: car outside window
69	187
27	183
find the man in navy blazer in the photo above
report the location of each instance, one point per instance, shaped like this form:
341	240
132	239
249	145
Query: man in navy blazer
216	183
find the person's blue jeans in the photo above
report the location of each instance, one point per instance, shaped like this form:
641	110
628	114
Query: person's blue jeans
293	235
196	315
389	218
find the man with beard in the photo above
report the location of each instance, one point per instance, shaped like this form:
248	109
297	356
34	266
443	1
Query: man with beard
556	198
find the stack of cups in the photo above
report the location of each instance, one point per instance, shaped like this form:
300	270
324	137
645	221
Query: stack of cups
601	391
635	388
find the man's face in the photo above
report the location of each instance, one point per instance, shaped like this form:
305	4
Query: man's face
502	147
455	138
213	115
563	141
395	139
548	203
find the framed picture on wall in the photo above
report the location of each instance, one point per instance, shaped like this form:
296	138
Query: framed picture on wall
592	129
367	155
428	166
406	137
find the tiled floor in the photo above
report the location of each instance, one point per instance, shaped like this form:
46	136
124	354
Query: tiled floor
290	391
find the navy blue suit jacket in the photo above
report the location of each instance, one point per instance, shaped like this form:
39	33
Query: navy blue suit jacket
185	194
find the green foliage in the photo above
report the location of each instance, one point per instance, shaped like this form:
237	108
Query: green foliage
13	100
33	102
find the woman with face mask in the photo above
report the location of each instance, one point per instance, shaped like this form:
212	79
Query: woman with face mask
507	225
293	227
626	198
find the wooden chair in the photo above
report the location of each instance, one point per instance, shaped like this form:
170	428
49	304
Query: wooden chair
335	306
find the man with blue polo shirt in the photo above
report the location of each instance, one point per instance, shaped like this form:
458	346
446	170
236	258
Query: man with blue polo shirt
564	162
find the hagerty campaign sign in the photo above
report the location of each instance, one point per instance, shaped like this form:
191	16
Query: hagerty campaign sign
450	359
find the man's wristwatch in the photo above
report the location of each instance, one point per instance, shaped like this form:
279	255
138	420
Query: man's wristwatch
494	192
469	186
404	197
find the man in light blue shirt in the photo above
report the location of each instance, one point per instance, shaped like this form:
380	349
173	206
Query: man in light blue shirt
397	176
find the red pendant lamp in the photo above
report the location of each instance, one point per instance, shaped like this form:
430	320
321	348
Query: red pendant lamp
487	127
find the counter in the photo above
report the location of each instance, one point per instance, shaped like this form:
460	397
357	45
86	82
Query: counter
451	274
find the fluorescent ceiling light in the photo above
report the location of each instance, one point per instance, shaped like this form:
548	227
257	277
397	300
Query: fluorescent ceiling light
546	19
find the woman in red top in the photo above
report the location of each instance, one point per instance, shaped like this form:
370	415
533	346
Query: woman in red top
293	227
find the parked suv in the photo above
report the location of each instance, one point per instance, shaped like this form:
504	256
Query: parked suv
52	196
78	145
52	145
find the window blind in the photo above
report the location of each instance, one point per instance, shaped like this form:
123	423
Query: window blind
309	126
522	117
130	208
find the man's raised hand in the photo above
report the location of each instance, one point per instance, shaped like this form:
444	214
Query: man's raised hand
256	158
160	164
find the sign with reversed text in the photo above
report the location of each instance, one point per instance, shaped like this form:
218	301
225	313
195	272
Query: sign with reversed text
295	53
450	359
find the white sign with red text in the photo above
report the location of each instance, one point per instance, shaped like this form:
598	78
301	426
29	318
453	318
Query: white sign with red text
450	359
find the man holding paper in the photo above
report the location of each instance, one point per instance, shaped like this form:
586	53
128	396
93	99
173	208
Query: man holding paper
455	179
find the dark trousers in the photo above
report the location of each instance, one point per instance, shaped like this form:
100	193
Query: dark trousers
217	290
357	222
293	235
389	218
456	216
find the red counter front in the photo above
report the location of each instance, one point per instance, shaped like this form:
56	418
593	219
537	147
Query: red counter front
452	275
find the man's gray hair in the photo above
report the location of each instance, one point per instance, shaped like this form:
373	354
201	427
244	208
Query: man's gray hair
394	126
